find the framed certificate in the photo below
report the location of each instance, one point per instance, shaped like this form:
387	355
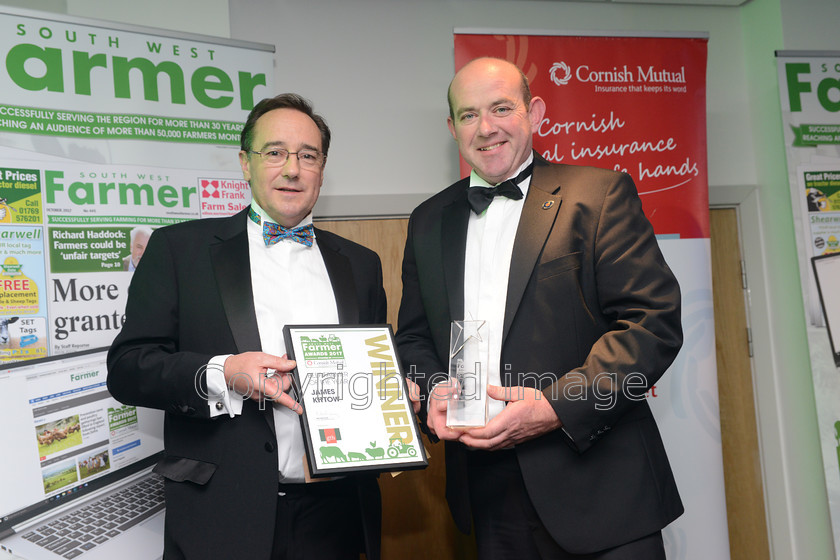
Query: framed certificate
827	275
356	412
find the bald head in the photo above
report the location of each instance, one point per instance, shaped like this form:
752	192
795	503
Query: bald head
493	117
488	64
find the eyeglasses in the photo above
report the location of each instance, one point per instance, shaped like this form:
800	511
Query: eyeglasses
309	159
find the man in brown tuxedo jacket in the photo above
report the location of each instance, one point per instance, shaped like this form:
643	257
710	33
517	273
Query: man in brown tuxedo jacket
584	314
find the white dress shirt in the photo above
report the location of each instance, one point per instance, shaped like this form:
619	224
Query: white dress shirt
291	287
489	248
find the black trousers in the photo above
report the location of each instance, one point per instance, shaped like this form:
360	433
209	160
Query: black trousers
508	528
318	521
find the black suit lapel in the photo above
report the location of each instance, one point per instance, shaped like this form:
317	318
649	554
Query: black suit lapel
232	268
341	278
538	216
455	219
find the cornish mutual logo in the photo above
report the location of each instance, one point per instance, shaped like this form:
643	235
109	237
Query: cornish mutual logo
560	73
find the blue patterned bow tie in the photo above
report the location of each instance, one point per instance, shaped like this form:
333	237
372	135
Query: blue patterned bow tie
272	233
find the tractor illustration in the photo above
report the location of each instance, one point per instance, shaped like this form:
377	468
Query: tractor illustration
398	448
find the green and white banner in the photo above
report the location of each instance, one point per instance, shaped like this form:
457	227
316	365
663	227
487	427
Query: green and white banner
809	87
107	132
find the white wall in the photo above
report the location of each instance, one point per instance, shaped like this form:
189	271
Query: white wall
205	17
794	474
378	70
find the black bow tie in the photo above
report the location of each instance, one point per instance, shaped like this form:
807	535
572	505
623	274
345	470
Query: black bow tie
481	197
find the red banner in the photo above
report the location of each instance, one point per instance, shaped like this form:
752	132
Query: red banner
634	104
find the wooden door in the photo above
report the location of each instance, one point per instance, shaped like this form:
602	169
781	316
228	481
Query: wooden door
739	432
416	524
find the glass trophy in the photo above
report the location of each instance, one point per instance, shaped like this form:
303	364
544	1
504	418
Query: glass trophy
468	361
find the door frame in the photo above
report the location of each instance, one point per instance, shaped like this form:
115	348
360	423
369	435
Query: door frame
771	433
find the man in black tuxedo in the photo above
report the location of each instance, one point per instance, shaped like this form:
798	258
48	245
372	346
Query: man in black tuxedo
582	316
203	341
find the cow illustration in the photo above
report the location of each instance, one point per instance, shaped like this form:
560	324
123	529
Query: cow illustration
330	451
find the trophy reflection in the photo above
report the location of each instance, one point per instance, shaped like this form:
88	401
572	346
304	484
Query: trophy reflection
468	357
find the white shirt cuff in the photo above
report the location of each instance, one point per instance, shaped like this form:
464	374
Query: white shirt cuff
221	400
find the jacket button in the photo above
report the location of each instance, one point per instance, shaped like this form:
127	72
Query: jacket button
269	446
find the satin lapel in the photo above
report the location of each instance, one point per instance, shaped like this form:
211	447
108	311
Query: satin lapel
535	225
341	278
232	268
454	220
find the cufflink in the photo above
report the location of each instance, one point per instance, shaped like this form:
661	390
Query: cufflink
219	405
